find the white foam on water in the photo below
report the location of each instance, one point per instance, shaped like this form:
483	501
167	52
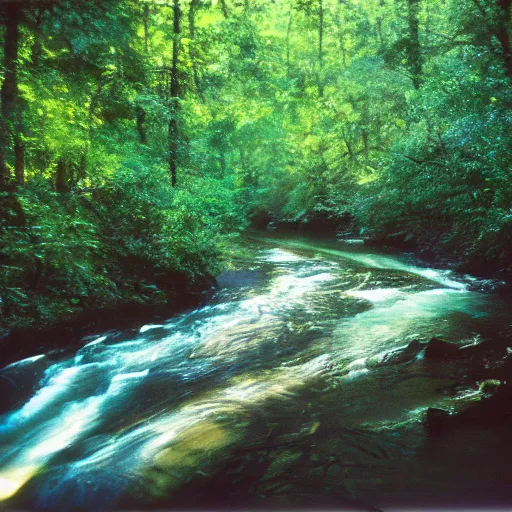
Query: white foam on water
374	329
354	375
77	419
439	276
133	375
377	295
96	341
381	261
358	364
280	256
149	327
57	385
24	362
353	241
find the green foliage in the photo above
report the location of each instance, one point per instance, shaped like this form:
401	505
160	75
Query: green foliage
127	241
54	265
401	115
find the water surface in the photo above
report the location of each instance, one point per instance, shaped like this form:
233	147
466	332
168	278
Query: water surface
267	397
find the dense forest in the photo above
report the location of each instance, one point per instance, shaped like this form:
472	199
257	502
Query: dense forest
138	138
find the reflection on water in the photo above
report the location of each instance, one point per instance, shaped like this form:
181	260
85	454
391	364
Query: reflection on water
269	386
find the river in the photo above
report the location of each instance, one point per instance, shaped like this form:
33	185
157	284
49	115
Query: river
273	395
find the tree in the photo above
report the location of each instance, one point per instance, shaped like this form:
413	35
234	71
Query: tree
173	133
10	123
414	57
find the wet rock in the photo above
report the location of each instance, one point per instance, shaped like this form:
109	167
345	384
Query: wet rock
436	419
438	348
489	387
480	348
411	351
19	380
489	410
400	356
8	390
489	286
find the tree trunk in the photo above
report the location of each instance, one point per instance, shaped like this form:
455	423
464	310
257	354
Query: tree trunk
145	21
61	176
95	97
380	19
222	161
140	115
414	58
347	142
339	22
173	133
37	46
19	156
321	48
288	49
224	8
9	94
192	53
504	34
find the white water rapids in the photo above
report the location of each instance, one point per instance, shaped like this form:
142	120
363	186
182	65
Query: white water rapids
152	410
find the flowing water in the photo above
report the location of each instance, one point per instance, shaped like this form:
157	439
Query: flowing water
270	396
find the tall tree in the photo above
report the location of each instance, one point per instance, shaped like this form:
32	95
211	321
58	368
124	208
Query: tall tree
503	33
173	131
414	57
321	47
192	10
10	123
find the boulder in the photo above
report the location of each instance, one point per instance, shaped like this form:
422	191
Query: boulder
400	356
437	419
438	348
489	387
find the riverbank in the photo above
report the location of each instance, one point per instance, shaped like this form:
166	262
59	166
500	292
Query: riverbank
158	303
68	334
174	296
92	260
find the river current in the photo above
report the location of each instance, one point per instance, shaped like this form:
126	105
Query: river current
270	396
